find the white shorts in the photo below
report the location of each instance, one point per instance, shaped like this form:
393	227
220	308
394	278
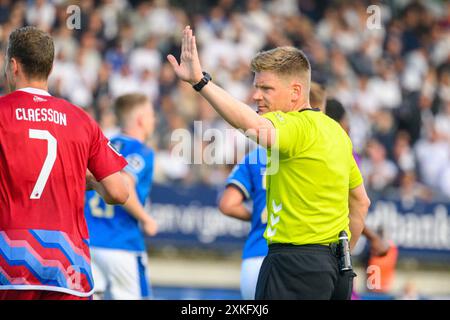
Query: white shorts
249	276
120	274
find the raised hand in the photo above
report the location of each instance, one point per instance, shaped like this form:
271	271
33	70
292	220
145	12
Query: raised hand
189	69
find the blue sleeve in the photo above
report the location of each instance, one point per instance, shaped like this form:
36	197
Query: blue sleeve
136	164
139	162
240	177
140	166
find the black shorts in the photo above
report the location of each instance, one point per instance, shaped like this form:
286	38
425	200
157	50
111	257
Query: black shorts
310	272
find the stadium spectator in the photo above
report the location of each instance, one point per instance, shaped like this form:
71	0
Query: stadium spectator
384	129
435	149
378	171
41	14
403	155
445	181
48	145
442	122
412	191
119	258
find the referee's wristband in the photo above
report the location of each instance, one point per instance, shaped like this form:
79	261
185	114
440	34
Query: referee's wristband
203	81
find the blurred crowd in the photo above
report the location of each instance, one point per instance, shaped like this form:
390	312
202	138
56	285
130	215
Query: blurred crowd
389	66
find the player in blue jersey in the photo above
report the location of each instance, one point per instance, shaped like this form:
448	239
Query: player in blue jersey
118	248
246	183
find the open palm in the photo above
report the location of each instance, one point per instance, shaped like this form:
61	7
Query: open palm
189	69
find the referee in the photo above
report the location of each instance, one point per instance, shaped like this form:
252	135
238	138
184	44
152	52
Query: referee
315	189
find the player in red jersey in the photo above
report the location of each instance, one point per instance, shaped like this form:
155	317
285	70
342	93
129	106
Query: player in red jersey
46	147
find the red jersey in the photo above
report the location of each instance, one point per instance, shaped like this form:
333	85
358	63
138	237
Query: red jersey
46	145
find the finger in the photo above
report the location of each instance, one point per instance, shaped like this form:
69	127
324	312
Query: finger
186	36
185	50
189	40
183	41
194	46
173	61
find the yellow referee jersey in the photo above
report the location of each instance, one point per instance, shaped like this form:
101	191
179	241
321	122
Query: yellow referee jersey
307	197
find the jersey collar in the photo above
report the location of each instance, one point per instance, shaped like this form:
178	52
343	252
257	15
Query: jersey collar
35	91
310	109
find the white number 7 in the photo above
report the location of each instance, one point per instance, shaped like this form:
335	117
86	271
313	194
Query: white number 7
48	163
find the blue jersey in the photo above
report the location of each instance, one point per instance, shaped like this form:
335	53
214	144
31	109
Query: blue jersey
249	177
112	226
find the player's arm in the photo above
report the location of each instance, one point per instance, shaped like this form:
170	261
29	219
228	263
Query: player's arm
104	167
113	188
238	114
378	246
232	204
134	207
359	204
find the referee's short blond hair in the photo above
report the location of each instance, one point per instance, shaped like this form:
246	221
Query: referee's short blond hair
284	61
